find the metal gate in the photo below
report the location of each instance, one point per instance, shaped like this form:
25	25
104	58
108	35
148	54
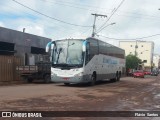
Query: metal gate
8	68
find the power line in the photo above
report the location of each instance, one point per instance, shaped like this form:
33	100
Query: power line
76	4
33	21
59	30
47	15
130	38
101	28
73	6
60	2
124	14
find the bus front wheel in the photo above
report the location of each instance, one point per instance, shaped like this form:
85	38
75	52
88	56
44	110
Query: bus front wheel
29	80
47	78
93	80
67	84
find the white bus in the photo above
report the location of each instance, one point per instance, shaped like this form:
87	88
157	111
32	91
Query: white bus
85	61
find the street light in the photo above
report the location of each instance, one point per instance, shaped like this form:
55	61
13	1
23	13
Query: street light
105	27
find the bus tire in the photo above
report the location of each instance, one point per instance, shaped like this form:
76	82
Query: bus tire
47	78
119	76
93	80
29	80
67	84
116	78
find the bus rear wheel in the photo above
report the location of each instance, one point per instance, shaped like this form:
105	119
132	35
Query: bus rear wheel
115	79
119	77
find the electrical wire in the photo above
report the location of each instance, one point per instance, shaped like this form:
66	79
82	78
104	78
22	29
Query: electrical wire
77	7
124	13
48	16
33	21
76	4
129	38
101	28
59	33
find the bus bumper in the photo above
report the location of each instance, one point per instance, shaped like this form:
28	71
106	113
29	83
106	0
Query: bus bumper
75	79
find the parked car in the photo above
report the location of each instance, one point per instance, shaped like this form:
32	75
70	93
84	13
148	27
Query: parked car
130	72
147	72
138	73
154	73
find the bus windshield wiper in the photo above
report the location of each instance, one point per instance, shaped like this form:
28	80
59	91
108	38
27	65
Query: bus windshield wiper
60	50
75	65
63	65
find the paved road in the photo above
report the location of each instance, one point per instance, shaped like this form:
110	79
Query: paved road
128	94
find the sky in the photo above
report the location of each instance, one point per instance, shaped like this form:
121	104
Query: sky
133	19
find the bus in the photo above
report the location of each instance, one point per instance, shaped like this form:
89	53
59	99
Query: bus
85	61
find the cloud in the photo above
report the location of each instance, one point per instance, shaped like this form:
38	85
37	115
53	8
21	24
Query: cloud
133	19
2	24
36	30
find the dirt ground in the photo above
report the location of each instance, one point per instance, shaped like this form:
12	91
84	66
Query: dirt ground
129	94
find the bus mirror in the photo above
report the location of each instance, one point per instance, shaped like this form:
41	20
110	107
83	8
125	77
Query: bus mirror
47	49
84	46
48	46
52	46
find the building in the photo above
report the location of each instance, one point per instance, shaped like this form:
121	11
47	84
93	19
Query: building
156	61
30	47
142	49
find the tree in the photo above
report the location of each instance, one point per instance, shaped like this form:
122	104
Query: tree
132	62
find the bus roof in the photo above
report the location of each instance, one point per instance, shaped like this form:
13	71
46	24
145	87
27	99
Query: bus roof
90	38
105	42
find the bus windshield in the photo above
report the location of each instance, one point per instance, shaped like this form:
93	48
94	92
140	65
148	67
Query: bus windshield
68	53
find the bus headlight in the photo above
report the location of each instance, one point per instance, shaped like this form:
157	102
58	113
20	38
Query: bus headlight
52	73
79	74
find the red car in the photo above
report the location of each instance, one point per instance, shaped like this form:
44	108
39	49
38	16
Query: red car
147	72
138	73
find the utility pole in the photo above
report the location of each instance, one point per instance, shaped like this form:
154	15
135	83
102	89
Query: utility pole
136	46
95	16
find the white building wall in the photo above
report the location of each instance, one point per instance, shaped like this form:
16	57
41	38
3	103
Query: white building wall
156	60
144	50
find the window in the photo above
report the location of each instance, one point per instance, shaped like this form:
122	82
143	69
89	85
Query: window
36	50
93	47
108	49
6	48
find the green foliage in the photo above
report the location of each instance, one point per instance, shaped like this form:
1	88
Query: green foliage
132	61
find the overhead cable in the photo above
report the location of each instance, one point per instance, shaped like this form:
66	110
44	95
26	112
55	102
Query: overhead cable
129	38
101	28
48	16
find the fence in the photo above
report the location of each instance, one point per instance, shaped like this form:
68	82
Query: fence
8	68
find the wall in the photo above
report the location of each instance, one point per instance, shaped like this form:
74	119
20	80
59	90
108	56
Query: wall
8	71
144	51
22	42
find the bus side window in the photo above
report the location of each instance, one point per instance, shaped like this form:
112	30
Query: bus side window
87	53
